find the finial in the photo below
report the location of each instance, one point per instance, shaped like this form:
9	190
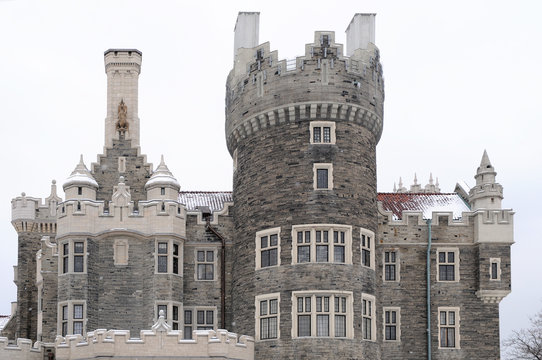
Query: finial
436	184
53	182
121	179
23	194
394	187
161	314
400	182
162	159
431	178
485	163
81	159
415	179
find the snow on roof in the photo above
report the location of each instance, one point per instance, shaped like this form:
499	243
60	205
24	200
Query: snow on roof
426	203
213	199
3	321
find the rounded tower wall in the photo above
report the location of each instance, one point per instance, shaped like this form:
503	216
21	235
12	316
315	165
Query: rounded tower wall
304	149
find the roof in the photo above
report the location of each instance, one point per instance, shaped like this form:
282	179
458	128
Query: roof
213	199
426	203
394	202
3	321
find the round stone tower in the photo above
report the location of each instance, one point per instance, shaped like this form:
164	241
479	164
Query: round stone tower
303	137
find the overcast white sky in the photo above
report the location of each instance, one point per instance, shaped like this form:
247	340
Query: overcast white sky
461	77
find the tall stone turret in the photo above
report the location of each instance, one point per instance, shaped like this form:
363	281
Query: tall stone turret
303	137
32	218
487	193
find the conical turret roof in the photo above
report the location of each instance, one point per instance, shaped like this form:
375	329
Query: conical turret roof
162	177
81	176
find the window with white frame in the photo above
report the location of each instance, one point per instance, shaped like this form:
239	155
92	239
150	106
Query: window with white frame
448	264
205	264
322	243
168	257
73	257
71	317
391	266
322	314
392	323
171	311
448	324
267	316
368	317
198	318
495	269
322	132
323	176
268	248
367	248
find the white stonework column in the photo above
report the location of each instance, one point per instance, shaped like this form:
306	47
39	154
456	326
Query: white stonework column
122	67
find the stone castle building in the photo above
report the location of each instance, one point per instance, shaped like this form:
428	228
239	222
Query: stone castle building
304	256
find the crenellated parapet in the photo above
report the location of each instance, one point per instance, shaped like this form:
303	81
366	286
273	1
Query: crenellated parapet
22	349
30	214
144	217
155	343
264	91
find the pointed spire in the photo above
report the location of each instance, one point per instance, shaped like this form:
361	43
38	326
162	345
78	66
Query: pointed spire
80	176
430	178
162	177
400	182
485	163
394	187
415	179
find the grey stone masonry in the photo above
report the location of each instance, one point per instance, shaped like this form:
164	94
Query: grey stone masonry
106	171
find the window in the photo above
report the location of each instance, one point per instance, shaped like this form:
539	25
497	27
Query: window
323	176
495	269
367	248
72	317
268	248
168	253
322	132
448	323
162	191
198	318
392	321
205	264
73	257
79	190
448	264
322	314
368	317
170	310
391	266
325	243
267	316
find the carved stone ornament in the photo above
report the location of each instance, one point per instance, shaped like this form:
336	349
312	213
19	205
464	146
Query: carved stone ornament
122	123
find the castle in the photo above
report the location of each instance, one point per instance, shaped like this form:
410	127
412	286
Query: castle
304	256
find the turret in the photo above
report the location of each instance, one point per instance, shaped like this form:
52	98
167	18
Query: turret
122	67
487	193
162	184
80	184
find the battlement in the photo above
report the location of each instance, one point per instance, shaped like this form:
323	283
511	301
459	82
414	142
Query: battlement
35	214
21	350
161	341
144	217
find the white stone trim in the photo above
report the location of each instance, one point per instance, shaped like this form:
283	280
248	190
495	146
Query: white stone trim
318	166
70	319
370	313
372	240
71	255
397	323
121	252
321	125
214	263
323	227
499	271
456	263
456	325
331	294
397	264
169	312
492	296
180	256
259	235
257	315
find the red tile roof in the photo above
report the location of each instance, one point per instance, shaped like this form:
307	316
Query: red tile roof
426	203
